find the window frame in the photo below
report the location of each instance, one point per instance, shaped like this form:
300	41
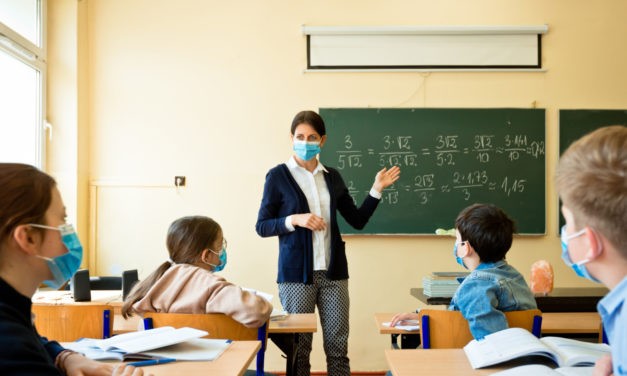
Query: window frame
27	52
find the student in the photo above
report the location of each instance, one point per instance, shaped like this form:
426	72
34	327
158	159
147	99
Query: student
592	183
186	283
36	245
300	204
483	238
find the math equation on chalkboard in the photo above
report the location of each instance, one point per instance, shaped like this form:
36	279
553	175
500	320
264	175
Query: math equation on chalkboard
449	159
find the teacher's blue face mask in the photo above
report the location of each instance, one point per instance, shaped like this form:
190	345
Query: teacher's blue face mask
306	150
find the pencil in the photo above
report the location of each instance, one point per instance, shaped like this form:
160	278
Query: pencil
151	362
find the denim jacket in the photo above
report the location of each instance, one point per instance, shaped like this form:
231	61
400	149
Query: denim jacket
490	290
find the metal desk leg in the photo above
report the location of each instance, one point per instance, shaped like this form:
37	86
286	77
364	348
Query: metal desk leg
288	343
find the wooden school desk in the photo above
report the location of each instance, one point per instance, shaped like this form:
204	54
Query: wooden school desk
58	297
553	323
283	332
380	318
232	362
561	299
441	362
110	297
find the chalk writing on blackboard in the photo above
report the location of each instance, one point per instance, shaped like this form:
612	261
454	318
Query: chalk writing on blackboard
449	159
444	151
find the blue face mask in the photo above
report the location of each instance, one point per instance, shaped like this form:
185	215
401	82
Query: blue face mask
306	150
222	256
222	261
459	260
578	267
63	267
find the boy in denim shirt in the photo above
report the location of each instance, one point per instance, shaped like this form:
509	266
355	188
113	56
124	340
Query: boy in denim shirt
483	237
592	183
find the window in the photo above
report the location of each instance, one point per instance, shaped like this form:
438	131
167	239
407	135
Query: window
22	73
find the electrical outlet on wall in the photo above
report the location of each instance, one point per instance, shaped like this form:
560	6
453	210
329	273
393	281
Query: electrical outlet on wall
179	181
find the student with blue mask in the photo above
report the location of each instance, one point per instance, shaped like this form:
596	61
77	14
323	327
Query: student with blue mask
36	245
592	183
484	235
187	282
301	199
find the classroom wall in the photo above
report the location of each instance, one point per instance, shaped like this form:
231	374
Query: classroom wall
207	90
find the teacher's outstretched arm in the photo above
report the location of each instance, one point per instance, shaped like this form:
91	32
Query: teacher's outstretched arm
385	178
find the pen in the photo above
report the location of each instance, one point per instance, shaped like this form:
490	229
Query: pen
151	362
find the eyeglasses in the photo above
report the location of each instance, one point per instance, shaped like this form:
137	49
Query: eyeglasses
219	252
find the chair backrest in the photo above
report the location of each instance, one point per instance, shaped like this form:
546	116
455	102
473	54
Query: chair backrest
443	329
218	325
603	335
67	323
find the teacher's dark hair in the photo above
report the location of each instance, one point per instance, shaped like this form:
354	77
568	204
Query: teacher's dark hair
25	195
310	118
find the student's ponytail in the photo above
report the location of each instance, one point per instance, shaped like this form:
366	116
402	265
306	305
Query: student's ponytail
141	288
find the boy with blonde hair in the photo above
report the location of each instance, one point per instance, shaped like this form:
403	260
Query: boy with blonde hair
592	183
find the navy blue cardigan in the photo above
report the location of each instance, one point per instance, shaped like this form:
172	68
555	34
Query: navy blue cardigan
283	197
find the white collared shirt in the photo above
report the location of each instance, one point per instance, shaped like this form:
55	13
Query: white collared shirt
316	191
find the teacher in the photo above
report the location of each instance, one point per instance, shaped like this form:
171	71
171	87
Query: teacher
300	202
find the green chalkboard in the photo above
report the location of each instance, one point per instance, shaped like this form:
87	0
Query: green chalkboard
576	123
449	158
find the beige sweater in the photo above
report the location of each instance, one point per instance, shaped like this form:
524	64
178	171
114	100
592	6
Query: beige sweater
185	288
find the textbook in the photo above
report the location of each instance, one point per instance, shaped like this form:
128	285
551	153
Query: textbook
514	343
442	284
163	342
542	370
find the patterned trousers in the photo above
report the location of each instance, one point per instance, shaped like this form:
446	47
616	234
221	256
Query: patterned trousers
331	298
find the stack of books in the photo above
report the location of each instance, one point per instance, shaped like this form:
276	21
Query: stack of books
442	284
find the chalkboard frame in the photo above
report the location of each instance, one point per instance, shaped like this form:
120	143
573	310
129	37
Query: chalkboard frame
538	206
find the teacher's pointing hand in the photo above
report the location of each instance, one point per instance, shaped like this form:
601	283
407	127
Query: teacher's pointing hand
386	177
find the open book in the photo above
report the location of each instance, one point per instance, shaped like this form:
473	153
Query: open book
163	342
514	343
